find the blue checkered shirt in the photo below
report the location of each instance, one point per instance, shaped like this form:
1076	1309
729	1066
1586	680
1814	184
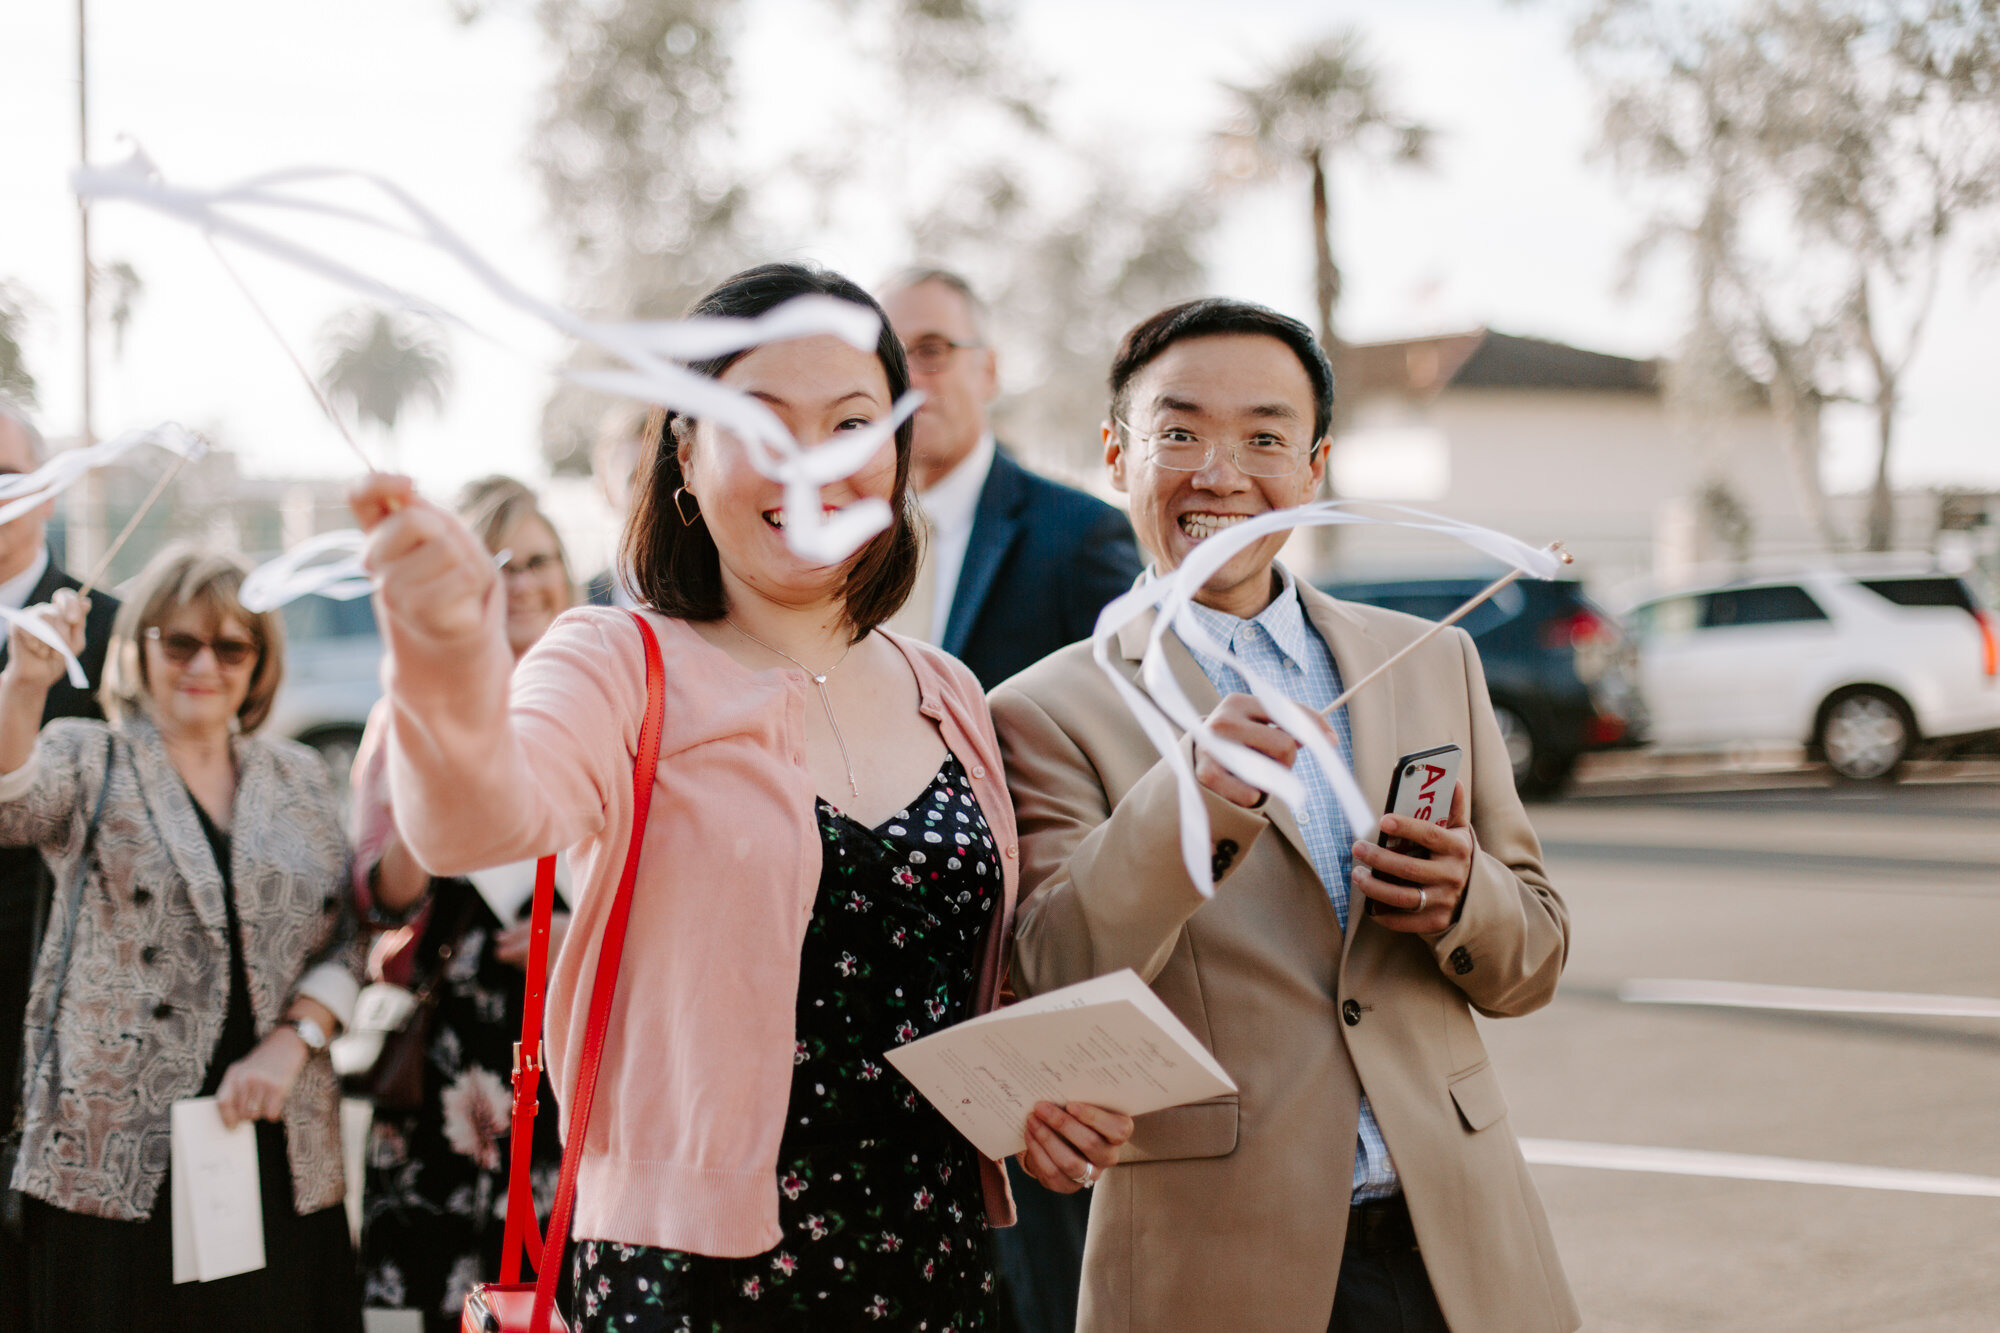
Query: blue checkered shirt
1283	646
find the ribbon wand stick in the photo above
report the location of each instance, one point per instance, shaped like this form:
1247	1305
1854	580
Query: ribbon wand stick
1477	600
131	526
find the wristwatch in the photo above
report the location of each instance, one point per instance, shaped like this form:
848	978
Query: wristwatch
310	1032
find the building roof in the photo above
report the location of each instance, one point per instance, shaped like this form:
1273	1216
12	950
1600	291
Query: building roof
1484	359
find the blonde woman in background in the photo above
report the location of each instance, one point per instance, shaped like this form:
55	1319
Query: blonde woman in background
211	953
436	1191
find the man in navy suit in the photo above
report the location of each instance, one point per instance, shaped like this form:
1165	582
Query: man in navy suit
1016	567
30	576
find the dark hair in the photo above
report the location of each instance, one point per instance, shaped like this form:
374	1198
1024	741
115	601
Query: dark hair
1211	315
673	566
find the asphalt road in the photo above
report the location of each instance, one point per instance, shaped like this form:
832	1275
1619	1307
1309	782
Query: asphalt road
1774	879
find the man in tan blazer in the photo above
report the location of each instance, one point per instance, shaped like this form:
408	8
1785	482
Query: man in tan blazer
1365	1176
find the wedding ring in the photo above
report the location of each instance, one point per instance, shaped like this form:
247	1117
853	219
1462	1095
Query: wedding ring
1089	1177
1420	900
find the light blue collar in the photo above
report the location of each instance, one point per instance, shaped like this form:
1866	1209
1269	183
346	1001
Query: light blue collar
1284	621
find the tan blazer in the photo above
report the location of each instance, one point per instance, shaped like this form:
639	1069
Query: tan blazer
1230	1214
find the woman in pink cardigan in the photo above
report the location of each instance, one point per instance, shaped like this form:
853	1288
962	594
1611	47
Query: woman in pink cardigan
829	867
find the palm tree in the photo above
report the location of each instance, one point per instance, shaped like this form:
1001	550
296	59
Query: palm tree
1322	104
378	363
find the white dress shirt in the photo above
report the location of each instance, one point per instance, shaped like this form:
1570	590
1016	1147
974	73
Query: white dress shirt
950	506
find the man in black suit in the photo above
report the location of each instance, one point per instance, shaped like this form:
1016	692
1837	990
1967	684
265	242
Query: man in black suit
29	576
1016	567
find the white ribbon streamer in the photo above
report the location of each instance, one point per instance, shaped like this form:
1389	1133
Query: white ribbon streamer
1166	714
30	619
293	575
298	573
21	492
647	348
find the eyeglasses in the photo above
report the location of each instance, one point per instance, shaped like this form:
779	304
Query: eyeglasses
1265	454
534	564
183	648
927	356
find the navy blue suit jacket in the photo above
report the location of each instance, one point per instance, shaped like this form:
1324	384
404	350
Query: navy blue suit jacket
1042	561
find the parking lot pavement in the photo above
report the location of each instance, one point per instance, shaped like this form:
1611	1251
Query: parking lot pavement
1788	883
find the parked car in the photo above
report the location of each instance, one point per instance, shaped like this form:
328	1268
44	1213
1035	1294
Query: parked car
333	676
1558	667
1866	666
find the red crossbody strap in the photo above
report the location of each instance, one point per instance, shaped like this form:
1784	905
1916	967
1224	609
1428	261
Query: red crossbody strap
521	1236
609	951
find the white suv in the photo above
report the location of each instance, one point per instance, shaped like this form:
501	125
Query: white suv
1862	666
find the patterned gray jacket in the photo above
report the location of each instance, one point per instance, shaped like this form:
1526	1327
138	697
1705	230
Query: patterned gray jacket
148	981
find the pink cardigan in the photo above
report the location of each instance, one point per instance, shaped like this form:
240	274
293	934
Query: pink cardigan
691	1100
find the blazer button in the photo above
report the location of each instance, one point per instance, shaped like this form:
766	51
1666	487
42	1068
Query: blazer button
1461	960
1225	857
979	770
1350	1012
163	1010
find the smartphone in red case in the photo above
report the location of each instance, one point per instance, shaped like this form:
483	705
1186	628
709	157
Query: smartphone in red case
1420	789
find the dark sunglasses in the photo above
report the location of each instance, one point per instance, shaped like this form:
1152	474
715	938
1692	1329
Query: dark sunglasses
181	648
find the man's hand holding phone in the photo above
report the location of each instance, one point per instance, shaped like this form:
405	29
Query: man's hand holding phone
1428	904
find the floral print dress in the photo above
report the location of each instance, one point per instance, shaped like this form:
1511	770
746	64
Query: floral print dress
434	1207
878	1197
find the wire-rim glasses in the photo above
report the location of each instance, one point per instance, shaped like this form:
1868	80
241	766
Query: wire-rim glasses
927	356
1178	449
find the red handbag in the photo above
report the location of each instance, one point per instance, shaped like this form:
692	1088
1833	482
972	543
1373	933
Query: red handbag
511	1305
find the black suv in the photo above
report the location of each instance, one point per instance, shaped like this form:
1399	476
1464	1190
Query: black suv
1561	672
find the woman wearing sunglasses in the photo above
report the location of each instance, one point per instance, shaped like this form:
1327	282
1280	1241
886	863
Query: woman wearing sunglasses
199	944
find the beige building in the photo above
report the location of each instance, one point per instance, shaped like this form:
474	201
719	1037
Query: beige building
1547	442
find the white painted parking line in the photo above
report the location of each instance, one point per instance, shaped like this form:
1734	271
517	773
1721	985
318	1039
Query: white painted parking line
1748	995
1742	1166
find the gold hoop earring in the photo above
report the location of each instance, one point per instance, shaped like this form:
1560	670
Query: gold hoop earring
687	520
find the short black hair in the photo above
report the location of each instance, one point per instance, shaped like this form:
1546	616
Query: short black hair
673	564
1210	315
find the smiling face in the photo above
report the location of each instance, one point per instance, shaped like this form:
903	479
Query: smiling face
202	695
819	387
1220	387
959	377
537	585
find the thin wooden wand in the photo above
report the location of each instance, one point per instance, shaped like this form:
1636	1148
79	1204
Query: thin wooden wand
131	526
1479	599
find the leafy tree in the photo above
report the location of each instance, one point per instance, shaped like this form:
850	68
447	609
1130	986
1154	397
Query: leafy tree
378	363
16	380
655	206
633	157
1820	162
1325	103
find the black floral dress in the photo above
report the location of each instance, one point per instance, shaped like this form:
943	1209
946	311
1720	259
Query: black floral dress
434	1208
879	1198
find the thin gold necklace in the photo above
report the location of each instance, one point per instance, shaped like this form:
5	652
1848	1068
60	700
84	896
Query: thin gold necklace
826	702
